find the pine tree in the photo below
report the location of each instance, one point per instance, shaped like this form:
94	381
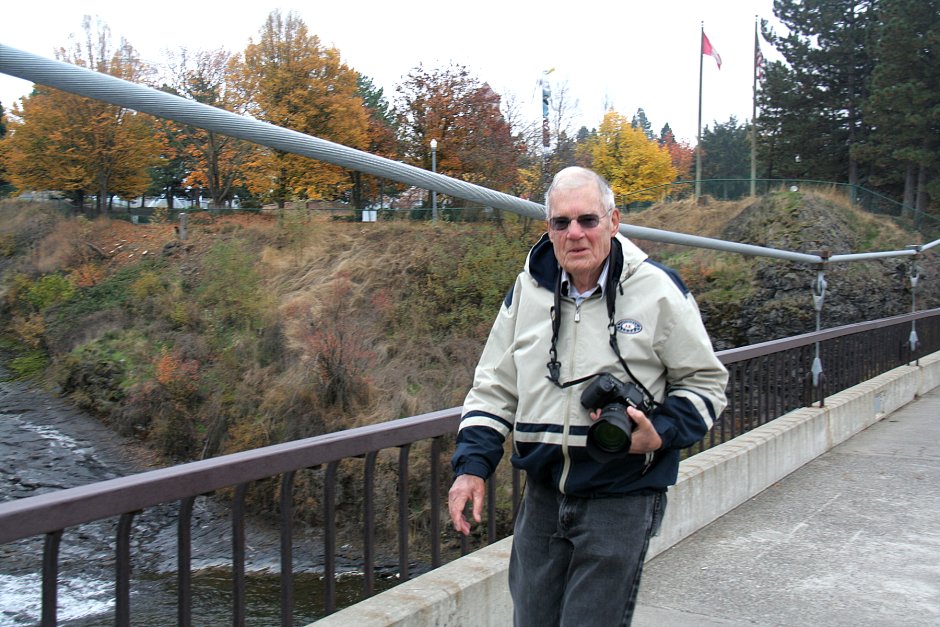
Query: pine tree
904	107
726	152
641	122
822	87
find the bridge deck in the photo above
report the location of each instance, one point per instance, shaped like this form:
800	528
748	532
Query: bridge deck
852	538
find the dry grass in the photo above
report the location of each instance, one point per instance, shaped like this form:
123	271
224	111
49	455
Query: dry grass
706	219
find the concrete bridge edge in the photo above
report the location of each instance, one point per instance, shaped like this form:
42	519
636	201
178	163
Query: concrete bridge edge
473	590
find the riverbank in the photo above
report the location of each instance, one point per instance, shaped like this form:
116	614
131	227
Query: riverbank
46	444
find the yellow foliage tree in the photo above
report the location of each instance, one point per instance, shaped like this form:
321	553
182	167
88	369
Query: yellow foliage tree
65	142
295	82
630	161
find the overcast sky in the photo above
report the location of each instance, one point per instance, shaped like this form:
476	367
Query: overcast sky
610	53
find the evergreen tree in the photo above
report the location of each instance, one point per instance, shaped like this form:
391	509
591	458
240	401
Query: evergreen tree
382	141
665	132
822	86
641	122
777	146
726	154
904	107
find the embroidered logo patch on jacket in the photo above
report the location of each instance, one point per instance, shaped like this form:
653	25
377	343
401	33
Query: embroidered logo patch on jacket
629	327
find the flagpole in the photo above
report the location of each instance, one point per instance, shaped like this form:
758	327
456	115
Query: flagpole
698	141
754	116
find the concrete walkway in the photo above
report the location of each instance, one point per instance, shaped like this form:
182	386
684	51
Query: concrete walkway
852	538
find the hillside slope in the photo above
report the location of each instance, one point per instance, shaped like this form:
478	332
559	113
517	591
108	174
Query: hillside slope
265	328
749	300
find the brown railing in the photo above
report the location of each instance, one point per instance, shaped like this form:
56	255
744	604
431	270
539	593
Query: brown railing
767	380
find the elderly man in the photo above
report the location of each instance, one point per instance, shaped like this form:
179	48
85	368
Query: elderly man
599	366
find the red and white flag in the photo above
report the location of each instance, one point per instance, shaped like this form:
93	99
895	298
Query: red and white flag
708	49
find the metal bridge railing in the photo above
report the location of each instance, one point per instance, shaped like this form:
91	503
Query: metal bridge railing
767	380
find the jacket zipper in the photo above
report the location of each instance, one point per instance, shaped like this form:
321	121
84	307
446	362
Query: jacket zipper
566	464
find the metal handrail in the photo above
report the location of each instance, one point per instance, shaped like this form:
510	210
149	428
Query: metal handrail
767	380
73	506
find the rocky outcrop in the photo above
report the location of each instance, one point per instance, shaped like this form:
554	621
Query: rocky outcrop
780	302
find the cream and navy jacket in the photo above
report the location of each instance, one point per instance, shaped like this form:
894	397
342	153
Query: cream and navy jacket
661	337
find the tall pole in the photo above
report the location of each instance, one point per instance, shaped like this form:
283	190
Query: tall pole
754	113
434	170
546	140
698	141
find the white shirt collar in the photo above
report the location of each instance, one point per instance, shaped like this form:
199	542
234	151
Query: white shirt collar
573	291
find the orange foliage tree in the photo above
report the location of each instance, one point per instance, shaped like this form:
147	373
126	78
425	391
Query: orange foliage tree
474	141
64	142
296	82
681	153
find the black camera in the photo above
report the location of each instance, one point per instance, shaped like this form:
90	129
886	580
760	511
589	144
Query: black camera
609	437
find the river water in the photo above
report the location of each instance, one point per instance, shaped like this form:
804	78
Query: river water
46	445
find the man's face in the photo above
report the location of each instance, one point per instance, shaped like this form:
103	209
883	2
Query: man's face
582	251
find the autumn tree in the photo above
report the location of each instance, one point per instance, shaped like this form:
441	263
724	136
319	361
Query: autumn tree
4	182
213	162
681	153
636	167
81	146
475	143
168	176
296	82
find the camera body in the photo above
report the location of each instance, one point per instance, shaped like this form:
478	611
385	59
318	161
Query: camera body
610	436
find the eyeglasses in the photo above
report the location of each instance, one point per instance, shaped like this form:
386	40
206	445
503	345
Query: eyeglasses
587	221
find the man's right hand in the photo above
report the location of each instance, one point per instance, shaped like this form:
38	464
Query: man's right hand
465	488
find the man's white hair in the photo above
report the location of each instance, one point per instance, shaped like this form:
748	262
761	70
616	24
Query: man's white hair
576	177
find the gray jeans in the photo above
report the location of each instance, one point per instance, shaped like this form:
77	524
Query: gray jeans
577	561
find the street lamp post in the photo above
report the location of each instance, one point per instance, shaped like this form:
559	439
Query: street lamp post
434	170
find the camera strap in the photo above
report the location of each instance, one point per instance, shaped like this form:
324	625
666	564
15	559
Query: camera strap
612	284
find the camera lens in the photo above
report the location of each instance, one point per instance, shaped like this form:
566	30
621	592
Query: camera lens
609	437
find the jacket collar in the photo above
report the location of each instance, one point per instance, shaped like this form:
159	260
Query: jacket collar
543	266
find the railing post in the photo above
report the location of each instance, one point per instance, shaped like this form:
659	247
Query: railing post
435	502
50	579
368	527
915	278
238	555
329	535
184	576
819	295
122	601
403	518
287	549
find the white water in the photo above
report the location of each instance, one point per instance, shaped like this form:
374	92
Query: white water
79	598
